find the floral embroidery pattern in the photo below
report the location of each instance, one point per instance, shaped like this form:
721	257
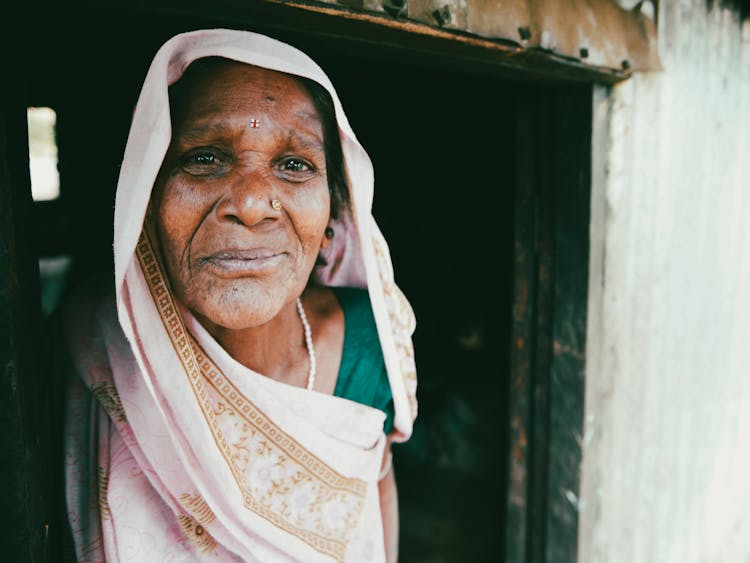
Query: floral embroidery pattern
281	480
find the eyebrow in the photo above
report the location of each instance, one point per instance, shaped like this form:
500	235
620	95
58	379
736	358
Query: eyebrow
308	115
306	140
201	131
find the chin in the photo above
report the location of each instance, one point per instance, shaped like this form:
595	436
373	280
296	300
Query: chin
236	320
235	310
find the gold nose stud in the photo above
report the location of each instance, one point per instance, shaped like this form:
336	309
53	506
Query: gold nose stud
276	204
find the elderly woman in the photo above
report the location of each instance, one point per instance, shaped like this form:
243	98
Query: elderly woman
238	391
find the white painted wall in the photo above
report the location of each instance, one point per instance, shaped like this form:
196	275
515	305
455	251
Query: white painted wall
666	468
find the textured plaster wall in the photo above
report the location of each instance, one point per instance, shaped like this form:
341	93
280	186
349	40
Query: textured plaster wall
666	469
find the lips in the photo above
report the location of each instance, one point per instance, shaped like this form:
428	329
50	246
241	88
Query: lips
248	260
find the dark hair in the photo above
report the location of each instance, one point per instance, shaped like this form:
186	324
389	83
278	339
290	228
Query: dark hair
321	99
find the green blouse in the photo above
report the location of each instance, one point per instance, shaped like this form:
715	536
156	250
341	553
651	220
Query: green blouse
362	375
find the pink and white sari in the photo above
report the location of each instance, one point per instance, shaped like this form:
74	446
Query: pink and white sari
175	452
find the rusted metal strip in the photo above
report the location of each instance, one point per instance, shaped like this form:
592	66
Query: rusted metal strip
377	33
599	34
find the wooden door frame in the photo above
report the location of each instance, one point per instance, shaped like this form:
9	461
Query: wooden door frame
548	348
31	486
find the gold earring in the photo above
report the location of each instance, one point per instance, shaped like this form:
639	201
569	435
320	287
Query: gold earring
276	204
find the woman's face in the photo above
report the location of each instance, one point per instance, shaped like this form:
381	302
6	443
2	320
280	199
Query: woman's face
244	137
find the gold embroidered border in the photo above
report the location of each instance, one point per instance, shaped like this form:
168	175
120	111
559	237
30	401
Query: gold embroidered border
402	319
314	469
196	533
186	352
198	508
107	395
103	487
256	418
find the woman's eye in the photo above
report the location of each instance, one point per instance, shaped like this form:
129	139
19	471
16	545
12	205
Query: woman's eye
294	169
202	163
296	165
204	158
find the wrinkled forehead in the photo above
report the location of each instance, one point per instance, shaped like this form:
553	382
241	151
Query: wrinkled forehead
216	81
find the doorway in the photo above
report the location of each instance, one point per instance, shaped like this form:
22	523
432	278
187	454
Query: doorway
446	153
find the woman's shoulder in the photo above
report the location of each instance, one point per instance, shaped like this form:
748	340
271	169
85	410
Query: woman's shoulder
87	309
74	331
89	296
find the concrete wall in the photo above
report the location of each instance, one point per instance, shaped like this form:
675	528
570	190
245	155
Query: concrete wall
666	470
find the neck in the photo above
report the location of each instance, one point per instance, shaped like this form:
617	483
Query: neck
275	349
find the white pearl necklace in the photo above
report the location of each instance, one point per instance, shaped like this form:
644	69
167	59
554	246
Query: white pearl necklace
308	343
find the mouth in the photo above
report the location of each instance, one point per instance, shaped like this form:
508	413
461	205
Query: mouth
239	261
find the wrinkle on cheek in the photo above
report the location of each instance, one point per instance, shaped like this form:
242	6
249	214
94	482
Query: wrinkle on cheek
181	214
174	253
187	261
309	225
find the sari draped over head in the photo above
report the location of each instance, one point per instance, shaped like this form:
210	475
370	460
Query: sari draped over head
175	451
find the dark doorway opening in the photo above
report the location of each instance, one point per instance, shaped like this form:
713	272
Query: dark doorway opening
483	189
442	145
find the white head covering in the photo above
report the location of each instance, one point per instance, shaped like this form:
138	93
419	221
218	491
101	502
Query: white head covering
196	452
367	259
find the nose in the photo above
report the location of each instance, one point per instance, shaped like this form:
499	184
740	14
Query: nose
247	199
